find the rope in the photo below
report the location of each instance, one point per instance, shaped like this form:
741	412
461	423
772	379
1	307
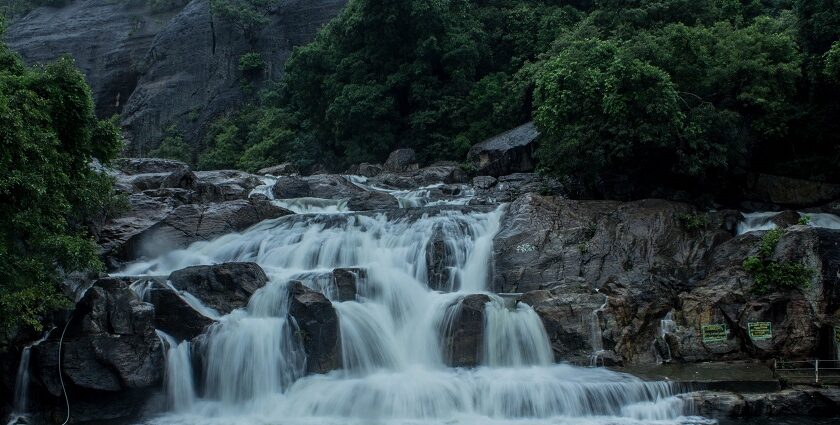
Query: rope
60	377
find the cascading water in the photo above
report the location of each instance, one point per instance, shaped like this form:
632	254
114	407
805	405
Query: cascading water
764	221
179	385
252	366
596	334
20	403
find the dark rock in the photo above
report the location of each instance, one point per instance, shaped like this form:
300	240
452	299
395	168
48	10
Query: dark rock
413	179
288	187
133	166
483	182
284	169
567	315
317	323
331	186
464	339
223	287
225	185
347	282
786	219
191	223
509	152
367	201
157	70
794	403
401	160
439	262
175	316
365	169
110	352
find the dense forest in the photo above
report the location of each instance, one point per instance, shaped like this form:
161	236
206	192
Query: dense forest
654	90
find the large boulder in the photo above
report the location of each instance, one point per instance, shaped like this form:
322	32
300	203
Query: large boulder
290	187
367	201
401	160
544	240
112	359
222	287
331	186
317	323
174	315
284	169
463	338
191	223
506	153
225	185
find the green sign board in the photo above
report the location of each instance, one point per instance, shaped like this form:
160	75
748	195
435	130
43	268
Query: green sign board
760	331
714	333
837	337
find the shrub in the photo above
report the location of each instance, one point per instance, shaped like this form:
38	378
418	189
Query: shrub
769	275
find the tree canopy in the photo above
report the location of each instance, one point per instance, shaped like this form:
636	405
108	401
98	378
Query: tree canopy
49	138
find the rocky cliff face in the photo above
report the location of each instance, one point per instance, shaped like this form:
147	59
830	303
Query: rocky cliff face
161	69
604	275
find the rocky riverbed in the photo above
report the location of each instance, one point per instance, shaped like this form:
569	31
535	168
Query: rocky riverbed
602	283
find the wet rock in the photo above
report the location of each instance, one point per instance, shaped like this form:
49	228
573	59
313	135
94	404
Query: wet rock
175	316
786	219
463	339
347	281
225	185
284	169
427	176
223	287
191	223
401	160
331	186
110	352
439	262
365	169
794	403
367	201
506	153
317	324
483	182
288	187
567	315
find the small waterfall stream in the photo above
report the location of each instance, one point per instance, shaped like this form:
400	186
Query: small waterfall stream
252	368
20	402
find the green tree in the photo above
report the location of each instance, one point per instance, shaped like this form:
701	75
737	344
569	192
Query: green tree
49	138
173	146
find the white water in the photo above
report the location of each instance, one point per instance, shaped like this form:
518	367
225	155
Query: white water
392	347
667	326
407	198
20	402
596	337
763	221
179	385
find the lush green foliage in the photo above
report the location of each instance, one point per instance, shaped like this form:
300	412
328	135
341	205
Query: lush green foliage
248	16
682	92
693	222
48	189
769	275
173	146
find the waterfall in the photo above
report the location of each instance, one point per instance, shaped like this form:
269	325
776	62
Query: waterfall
514	337
179	385
20	402
667	326
596	338
420	265
764	221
